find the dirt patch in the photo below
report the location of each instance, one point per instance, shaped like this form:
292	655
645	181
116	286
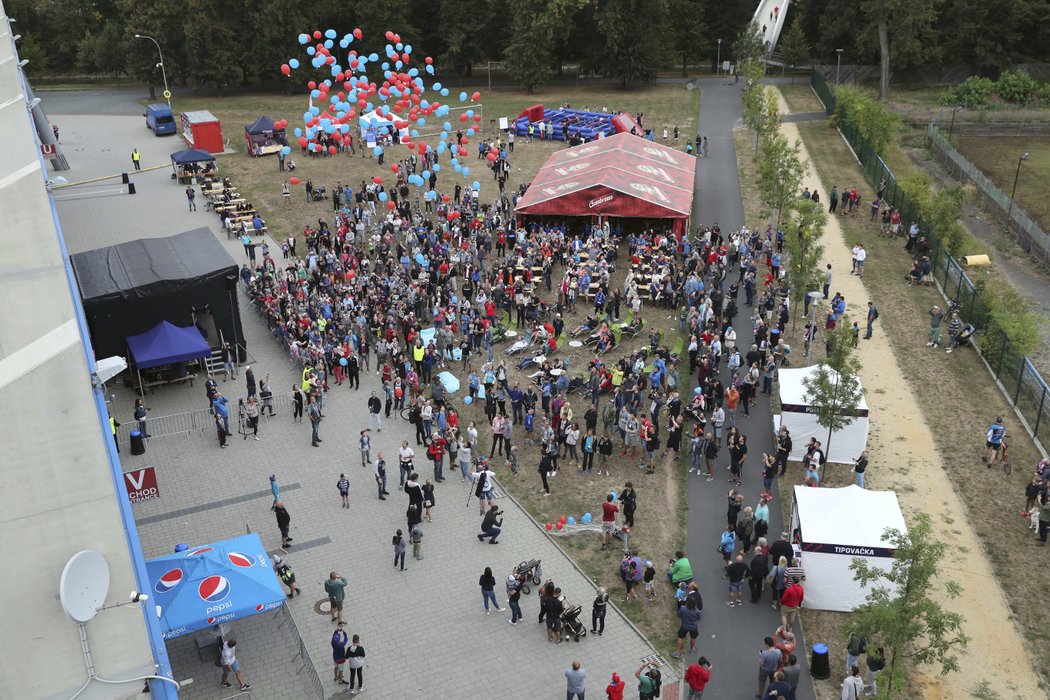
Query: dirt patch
800	97
912	388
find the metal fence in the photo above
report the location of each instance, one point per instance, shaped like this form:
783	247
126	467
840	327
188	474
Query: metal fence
303	655
1018	379
201	422
1030	237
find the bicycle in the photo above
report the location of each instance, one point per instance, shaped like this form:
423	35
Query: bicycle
1004	457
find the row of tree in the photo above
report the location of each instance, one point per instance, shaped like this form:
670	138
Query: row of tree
217	44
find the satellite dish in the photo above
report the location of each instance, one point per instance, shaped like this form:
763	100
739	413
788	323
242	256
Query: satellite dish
84	585
109	367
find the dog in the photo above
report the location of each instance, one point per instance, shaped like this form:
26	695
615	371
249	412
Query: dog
1033	518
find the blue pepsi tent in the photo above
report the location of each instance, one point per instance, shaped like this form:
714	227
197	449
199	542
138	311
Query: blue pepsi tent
203	586
166	344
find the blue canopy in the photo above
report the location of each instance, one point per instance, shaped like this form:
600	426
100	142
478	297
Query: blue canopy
191	155
203	586
165	344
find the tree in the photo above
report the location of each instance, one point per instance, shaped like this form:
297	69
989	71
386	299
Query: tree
834	390
465	33
530	53
633	51
794	49
687	32
29	49
804	253
913	26
900	613
211	31
780	172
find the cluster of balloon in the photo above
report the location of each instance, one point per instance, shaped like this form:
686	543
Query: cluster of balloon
586	519
561	522
400	102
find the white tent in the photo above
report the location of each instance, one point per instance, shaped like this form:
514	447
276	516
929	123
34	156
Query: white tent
835	526
797	416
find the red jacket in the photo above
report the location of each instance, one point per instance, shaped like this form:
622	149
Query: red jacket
615	690
793	596
697	677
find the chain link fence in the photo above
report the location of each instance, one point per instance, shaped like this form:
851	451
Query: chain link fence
1030	237
1018	379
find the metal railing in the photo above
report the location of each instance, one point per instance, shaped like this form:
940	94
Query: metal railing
201	422
1016	376
303	654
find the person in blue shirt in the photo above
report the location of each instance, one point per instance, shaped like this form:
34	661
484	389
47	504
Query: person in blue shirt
218	404
993	441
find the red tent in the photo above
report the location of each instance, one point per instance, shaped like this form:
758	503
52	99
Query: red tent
619	176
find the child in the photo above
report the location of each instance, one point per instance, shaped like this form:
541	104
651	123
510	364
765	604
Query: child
417	542
679	595
856	333
399	550
530	421
344	489
428	499
648	576
605	448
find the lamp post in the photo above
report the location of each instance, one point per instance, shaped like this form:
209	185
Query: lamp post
838	65
951	127
814	298
163	73
718	58
1017	174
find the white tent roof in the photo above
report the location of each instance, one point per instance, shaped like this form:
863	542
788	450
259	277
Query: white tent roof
375	118
850	516
793	391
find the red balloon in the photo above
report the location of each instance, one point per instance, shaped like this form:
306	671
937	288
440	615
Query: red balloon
398	393
302	142
293	180
393	167
463	117
390	205
389	36
376	179
357	33
475	97
560	525
491	157
428	60
563	520
317	34
450	217
477	117
445	198
286	69
313	86
332	150
549	526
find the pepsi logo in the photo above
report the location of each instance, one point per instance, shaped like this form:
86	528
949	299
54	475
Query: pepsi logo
199	550
259	607
213	589
238	559
168	581
211	620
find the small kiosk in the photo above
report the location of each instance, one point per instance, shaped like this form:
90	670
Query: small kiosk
263	138
202	130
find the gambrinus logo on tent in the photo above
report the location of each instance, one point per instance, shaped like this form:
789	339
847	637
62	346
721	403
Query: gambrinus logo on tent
214	589
168	581
241	560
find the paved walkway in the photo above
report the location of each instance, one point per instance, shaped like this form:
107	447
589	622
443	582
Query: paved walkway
730	637
425	631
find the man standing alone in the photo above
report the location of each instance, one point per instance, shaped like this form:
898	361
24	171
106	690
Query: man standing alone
335	587
873	315
575	681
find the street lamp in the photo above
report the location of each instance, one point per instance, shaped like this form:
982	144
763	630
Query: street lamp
718	59
163	73
814	297
838	65
1017	174
951	126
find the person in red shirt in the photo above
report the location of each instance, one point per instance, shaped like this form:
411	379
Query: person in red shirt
609	511
614	691
697	676
790	602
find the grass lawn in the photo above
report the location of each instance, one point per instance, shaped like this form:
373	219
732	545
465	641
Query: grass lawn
660	523
997	156
259	180
800	97
958	399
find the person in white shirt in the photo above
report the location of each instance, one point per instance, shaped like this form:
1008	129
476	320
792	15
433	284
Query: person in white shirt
405	455
485	488
861	256
230	665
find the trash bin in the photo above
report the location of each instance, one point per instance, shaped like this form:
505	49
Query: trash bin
819	666
138	445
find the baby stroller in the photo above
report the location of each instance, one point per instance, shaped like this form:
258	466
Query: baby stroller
529	571
571	624
319	194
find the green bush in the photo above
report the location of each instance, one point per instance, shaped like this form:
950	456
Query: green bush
868	116
1042	93
973	93
1016	86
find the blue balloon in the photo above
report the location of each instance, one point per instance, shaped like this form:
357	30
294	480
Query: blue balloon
342	361
383	196
399	46
470	113
430	69
385	66
294	63
330	33
377	151
446	126
373	57
298	132
315	93
571	520
329	43
437	86
437	167
468	400
408	48
286	150
304	38
444	93
477	185
586	519
311	50
466	171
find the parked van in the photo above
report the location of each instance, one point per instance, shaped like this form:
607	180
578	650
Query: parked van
160	119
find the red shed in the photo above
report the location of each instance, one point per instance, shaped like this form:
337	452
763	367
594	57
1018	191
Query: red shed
202	130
